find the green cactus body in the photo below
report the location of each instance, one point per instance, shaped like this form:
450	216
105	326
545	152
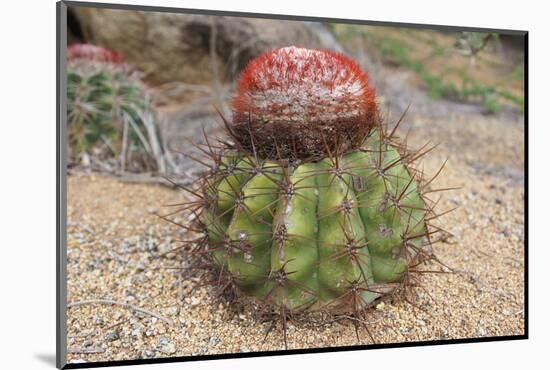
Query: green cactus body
310	205
331	233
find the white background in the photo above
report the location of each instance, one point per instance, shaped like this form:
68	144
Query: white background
27	178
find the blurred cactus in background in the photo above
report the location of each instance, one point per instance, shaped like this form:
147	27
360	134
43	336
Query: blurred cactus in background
109	112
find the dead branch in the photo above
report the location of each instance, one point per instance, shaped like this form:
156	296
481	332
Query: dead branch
123	304
87	351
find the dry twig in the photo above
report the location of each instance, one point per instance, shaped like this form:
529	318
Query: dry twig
87	351
123	304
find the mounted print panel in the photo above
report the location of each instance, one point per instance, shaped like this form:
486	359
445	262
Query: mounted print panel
252	184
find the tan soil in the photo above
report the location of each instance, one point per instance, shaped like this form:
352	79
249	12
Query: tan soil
115	239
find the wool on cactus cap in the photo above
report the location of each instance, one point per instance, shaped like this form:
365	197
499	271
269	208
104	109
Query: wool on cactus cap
302	94
298	84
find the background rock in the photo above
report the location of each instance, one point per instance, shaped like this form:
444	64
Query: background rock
171	47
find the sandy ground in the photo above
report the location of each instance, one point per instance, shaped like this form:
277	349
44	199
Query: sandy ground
115	240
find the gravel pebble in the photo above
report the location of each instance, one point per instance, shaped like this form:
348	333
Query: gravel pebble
169	348
112	336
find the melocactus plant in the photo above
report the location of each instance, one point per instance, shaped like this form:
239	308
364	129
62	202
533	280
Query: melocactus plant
106	106
312	205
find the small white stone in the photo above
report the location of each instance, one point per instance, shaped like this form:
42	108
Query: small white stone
169	348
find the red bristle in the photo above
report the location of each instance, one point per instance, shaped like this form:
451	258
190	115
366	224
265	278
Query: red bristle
303	85
92	52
